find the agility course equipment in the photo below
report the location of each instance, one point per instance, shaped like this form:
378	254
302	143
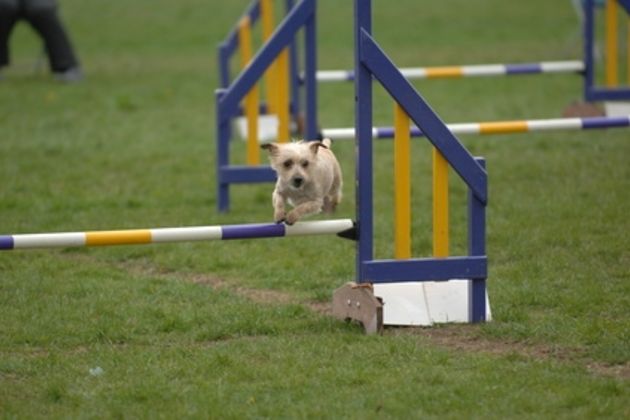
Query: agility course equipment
585	67
496	127
471	70
611	91
252	171
169	235
276	79
229	98
371	62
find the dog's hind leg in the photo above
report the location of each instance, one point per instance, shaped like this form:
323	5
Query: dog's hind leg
330	204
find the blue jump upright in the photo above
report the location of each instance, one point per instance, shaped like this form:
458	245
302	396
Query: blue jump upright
229	97
371	62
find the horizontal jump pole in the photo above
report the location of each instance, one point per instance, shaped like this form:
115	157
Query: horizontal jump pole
474	70
169	235
495	127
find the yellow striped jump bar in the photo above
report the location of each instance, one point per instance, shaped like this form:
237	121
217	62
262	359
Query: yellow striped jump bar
118	237
503	127
444	72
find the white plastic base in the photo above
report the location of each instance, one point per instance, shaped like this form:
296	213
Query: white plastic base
617	109
267	127
426	303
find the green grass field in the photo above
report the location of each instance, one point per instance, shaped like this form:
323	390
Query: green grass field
241	329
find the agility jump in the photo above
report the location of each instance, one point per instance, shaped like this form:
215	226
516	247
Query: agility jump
370	61
611	89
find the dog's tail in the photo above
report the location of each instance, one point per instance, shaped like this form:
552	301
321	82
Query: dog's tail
327	143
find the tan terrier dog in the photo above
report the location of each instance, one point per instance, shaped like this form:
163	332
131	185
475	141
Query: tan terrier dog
309	179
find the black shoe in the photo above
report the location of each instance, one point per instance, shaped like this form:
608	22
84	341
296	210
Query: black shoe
72	75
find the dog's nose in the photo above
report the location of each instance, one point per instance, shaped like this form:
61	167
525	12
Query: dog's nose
297	181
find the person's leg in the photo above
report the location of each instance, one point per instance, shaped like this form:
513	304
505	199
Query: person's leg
43	17
8	17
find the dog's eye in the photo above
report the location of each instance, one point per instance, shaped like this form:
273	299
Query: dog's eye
287	164
304	164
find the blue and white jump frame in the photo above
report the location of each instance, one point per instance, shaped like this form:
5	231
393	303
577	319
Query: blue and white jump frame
227	49
228	98
303	88
371	61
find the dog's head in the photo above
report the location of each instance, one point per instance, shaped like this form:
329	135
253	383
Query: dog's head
294	162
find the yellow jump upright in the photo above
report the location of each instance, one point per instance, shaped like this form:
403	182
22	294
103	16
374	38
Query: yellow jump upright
440	205
251	100
271	83
628	50
402	184
282	77
276	77
612	47
402	192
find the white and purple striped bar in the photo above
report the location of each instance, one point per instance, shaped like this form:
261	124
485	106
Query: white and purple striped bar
475	70
166	235
496	127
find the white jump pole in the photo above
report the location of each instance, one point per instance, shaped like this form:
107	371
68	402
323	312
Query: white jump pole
178	234
496	127
473	70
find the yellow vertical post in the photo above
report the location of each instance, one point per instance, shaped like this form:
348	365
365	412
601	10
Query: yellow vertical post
282	84
402	184
251	99
628	51
440	205
266	16
276	77
612	50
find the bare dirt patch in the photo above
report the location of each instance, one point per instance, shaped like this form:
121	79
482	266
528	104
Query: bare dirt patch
459	337
466	338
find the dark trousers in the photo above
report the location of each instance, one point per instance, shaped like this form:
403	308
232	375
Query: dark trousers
46	22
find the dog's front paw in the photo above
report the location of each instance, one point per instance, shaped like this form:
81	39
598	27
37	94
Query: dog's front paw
291	218
279	216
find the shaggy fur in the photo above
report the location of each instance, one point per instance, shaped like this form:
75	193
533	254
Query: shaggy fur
309	179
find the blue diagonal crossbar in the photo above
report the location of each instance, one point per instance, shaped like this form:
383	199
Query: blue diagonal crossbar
281	38
625	4
231	40
379	64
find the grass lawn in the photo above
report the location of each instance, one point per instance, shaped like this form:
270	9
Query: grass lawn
242	328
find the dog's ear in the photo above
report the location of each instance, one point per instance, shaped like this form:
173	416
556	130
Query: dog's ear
315	145
272	148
